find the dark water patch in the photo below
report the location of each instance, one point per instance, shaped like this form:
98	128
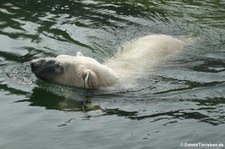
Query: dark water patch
42	98
211	102
119	112
213	66
12	90
183	114
14	57
20	36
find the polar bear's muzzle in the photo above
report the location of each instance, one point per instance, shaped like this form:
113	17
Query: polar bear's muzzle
46	68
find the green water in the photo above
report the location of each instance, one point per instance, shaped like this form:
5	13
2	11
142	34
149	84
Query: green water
181	101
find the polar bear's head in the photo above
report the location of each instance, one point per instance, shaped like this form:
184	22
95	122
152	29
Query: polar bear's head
79	71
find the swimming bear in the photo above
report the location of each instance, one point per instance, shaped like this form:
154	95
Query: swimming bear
86	72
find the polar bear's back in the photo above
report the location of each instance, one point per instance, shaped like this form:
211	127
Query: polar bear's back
143	54
151	46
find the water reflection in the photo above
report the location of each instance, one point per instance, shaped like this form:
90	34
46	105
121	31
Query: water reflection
70	99
43	98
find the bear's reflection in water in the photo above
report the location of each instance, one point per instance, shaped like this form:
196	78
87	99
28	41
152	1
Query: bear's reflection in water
57	98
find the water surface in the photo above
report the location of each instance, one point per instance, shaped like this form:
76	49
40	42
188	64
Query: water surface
181	101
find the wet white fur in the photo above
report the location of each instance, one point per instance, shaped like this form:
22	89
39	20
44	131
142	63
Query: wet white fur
81	71
143	53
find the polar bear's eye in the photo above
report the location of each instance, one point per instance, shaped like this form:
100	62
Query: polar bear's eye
51	62
59	68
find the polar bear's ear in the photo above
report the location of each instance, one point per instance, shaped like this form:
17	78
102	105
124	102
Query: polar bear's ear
90	79
79	54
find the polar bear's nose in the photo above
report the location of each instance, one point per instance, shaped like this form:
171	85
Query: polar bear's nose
37	64
46	68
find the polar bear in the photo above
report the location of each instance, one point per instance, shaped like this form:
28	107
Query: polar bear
86	72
